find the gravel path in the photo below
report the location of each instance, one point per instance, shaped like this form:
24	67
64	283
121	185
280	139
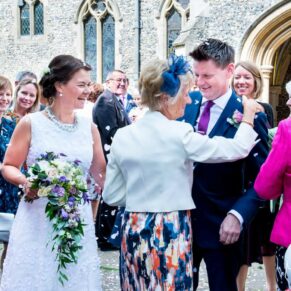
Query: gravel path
110	275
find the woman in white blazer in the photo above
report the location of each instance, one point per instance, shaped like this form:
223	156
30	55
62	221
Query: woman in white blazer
149	172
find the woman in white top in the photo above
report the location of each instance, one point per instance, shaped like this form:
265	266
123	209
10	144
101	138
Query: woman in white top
150	172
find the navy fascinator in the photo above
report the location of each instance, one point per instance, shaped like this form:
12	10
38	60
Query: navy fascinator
178	65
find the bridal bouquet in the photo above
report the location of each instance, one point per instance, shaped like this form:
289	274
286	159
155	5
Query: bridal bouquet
63	184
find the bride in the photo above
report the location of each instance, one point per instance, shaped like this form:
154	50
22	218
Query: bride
30	263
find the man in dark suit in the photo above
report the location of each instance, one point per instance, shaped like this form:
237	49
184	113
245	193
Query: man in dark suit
223	193
109	115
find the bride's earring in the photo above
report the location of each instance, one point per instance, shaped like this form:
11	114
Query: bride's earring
60	94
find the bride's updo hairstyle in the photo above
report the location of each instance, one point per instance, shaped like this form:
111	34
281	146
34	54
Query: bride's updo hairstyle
61	69
163	78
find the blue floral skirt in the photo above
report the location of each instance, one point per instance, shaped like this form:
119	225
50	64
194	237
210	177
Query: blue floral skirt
156	251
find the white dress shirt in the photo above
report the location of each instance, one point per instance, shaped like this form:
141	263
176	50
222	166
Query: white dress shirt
155	172
216	109
121	99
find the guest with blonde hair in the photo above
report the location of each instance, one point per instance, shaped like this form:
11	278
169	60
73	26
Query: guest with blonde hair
26	98
5	94
248	81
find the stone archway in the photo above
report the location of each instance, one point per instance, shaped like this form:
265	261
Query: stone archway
263	41
280	76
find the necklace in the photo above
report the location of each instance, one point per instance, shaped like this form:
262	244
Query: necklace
63	126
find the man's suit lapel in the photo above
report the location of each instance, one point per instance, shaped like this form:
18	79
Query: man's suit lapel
192	110
120	108
221	126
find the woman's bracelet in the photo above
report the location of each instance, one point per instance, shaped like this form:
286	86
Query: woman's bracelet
248	122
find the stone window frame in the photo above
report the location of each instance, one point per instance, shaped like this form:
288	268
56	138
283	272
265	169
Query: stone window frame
165	8
111	8
32	34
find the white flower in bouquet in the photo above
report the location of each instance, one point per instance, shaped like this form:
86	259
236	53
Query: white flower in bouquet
44	192
44	165
62	166
52	173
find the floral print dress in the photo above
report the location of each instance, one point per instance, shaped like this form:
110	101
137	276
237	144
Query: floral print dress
156	251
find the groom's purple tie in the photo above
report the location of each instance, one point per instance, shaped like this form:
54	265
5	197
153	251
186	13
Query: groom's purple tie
205	117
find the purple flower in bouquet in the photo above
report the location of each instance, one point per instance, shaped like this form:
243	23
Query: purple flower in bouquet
63	179
85	197
77	162
64	214
71	201
48	156
46	182
60	191
73	190
43	156
77	217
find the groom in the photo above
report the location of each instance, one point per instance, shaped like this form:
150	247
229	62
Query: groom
223	193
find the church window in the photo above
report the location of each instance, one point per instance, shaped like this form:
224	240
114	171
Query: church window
173	28
31	17
99	37
184	3
108	36
38	18
173	15
24	19
90	49
177	10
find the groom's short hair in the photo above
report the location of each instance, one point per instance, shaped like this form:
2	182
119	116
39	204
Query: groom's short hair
216	50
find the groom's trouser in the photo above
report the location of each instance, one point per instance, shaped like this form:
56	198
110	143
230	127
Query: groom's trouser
222	266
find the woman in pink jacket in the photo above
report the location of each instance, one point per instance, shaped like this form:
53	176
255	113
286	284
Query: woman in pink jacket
273	180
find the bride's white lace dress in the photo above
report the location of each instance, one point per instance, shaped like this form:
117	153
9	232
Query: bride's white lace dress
30	264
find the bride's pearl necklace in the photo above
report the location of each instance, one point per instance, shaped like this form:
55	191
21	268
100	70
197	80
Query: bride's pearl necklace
63	126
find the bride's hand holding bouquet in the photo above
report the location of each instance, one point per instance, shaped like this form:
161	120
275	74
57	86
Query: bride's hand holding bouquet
29	193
